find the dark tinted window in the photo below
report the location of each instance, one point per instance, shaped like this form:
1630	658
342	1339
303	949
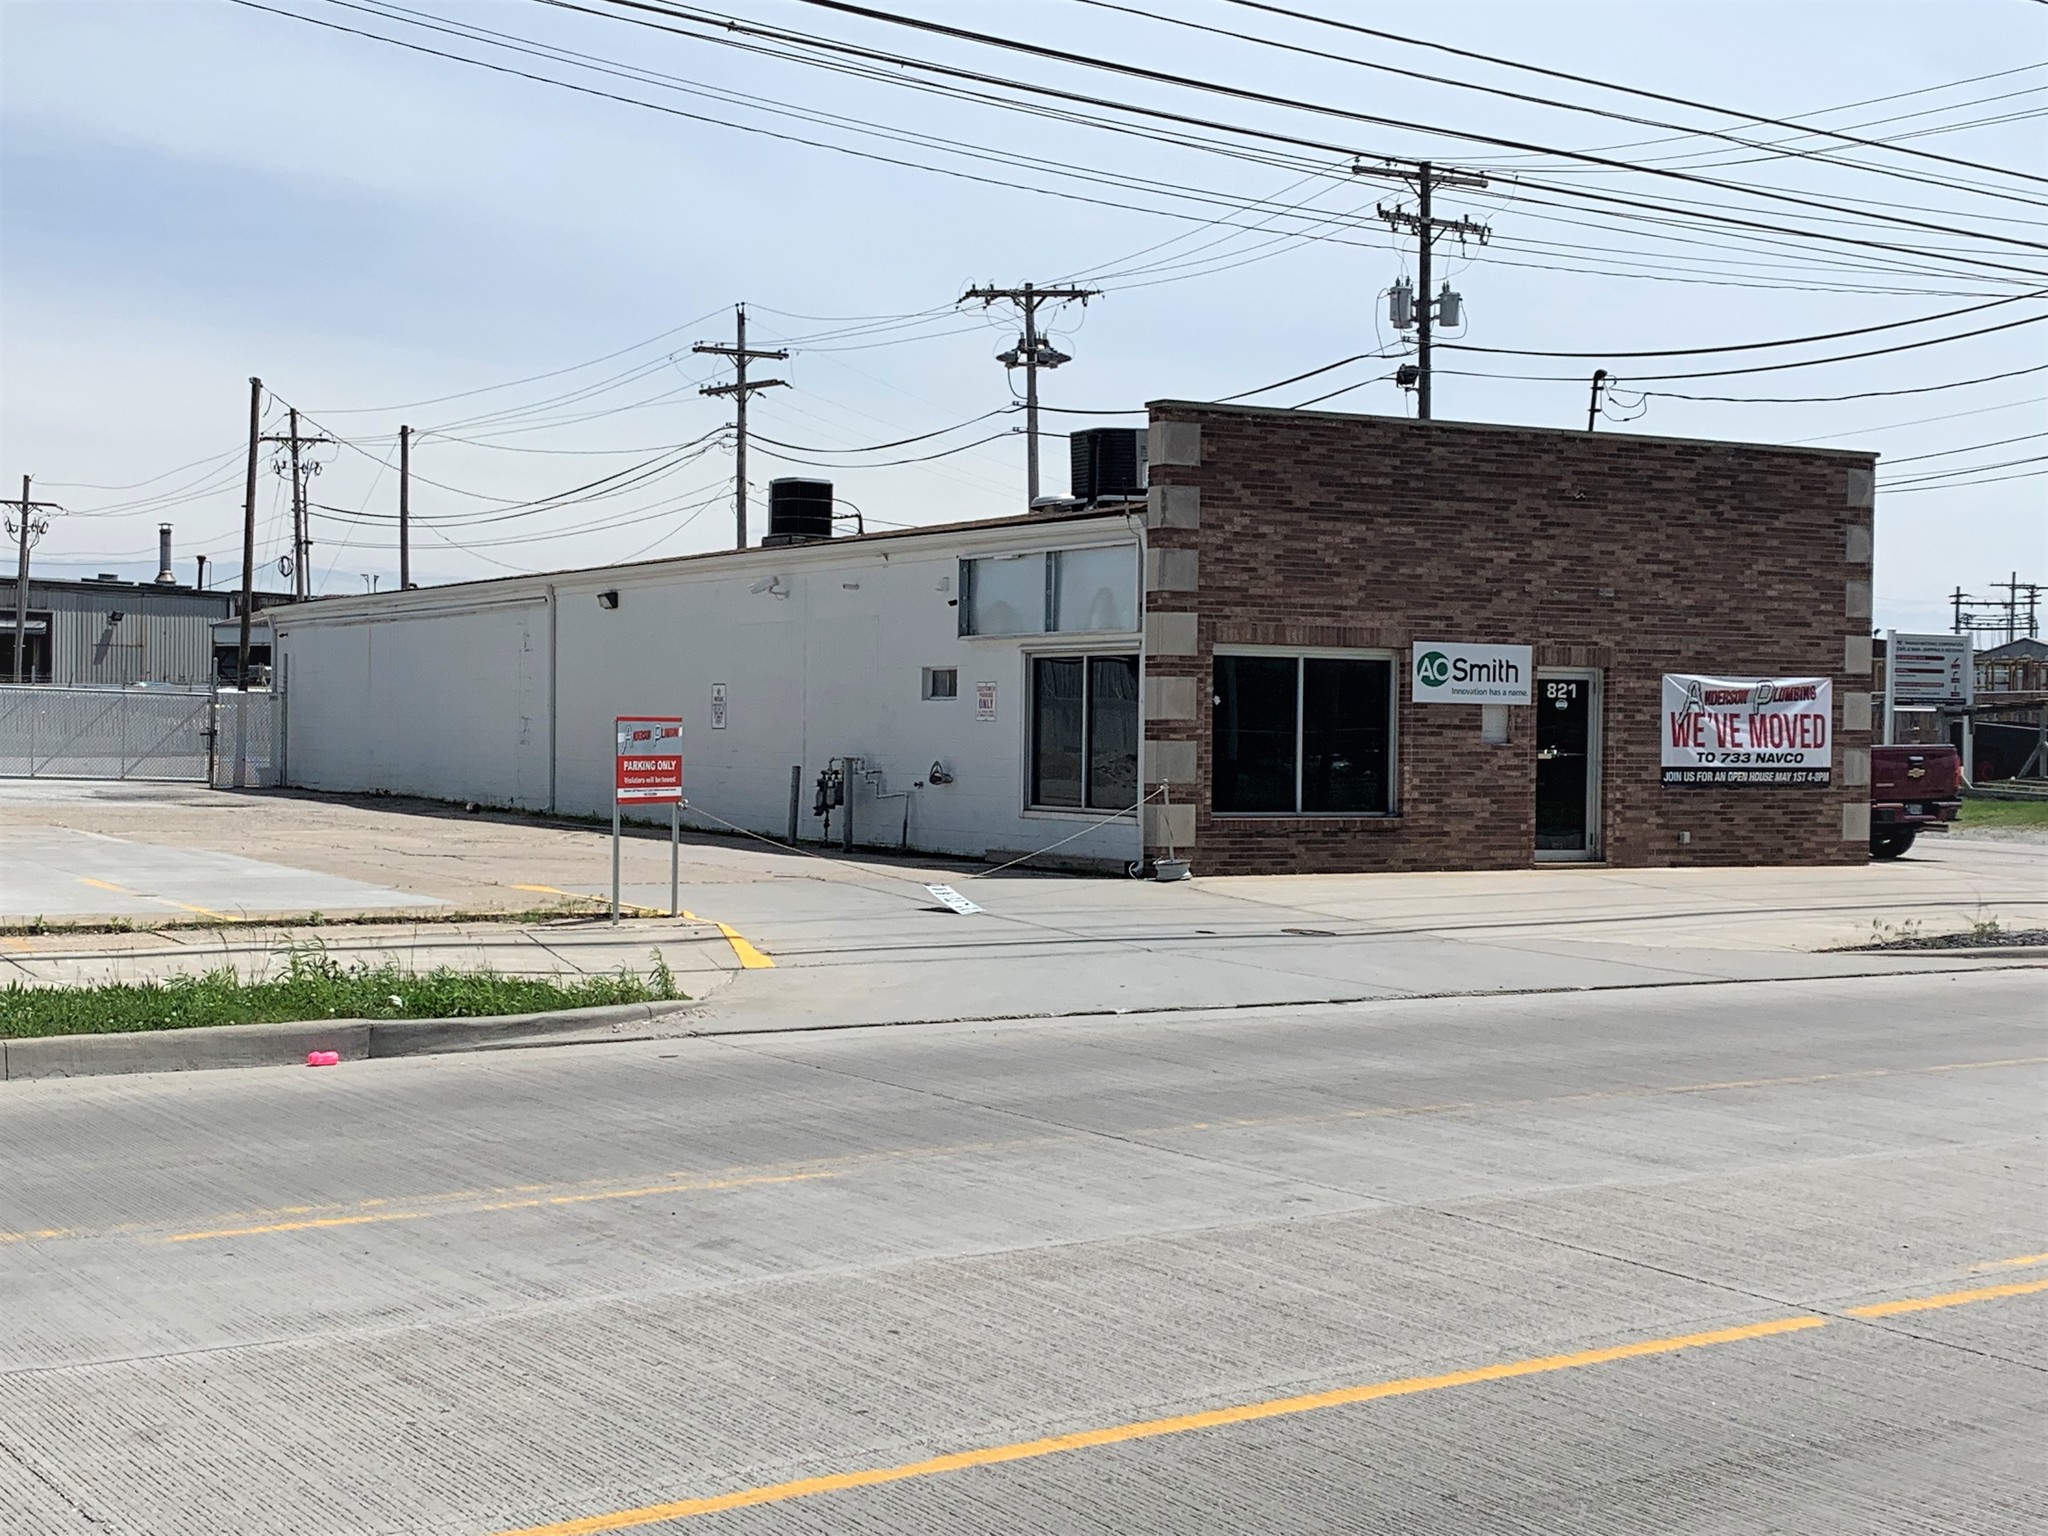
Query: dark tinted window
1112	732
1254	733
1056	683
1344	735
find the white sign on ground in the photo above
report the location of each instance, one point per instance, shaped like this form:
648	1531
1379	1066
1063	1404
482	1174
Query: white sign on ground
1930	669
1446	672
953	899
1747	730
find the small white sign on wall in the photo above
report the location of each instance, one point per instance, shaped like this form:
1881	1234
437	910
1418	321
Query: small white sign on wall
1445	672
718	706
984	701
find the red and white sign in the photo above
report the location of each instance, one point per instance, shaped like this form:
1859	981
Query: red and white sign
1747	730
650	760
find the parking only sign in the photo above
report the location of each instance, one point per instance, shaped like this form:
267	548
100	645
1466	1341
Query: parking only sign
649	759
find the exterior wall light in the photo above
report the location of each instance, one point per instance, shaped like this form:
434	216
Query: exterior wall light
609	599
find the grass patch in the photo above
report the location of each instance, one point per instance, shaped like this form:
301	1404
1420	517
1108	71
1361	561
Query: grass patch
2004	813
311	984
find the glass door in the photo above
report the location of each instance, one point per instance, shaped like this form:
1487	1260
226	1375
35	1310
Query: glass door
1567	765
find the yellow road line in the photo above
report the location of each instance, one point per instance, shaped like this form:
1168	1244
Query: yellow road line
750	958
1950	1299
1148	1429
2021	1262
102	885
641	1192
1242	1413
954	1149
602	901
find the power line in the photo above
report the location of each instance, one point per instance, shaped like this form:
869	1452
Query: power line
1521	96
1863	394
1607	85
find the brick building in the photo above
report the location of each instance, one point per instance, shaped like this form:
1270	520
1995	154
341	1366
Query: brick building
1246	659
1314	552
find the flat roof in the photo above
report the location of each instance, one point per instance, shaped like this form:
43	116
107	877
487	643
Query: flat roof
1439	423
1038	519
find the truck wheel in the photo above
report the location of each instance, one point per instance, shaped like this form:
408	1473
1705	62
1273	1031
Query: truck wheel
1889	845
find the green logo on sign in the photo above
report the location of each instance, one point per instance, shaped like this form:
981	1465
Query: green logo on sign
1433	668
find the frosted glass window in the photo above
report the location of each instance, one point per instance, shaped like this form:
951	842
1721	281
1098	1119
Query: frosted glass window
1003	596
1096	590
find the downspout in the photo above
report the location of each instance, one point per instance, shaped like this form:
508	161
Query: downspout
1136	523
554	671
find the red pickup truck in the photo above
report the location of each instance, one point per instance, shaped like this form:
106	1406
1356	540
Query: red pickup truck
1911	787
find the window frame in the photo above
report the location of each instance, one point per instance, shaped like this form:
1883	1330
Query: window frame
1048	559
1299	654
1085	654
931	673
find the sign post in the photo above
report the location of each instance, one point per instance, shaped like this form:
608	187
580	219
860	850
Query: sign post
648	757
1938	670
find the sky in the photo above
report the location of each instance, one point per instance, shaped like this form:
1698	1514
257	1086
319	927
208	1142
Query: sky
193	192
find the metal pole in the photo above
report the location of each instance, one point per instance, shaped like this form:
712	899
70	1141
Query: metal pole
675	859
739	462
248	550
796	790
1593	406
1030	307
1426	305
21	596
1891	672
298	514
615	861
404	508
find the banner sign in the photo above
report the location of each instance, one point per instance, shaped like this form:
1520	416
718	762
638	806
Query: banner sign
1930	669
650	760
1747	730
1441	672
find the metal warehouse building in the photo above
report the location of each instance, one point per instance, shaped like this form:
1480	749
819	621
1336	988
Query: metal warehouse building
1319	642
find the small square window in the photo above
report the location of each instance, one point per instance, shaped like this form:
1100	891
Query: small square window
942	682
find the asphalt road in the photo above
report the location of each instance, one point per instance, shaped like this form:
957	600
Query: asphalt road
1759	1257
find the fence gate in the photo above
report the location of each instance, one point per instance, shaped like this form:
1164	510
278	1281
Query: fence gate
182	735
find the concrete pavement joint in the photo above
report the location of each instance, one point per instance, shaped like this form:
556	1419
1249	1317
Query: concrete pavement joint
1350	1000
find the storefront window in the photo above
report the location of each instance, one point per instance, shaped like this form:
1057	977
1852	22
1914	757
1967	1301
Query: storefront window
1084	732
1302	735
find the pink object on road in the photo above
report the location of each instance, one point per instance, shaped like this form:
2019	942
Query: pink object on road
323	1058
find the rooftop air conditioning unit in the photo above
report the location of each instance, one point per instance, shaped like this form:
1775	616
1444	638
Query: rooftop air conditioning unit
1107	463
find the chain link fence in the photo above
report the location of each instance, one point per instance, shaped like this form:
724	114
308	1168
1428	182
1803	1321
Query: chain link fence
227	739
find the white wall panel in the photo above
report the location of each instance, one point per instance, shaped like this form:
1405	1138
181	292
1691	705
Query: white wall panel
826	663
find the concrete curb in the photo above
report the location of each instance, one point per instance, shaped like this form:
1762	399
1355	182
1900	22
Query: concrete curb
276	1045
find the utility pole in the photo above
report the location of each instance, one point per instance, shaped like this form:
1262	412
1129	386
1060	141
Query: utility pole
27	528
302	543
1031	353
404	509
249	531
1425	178
739	389
1593	408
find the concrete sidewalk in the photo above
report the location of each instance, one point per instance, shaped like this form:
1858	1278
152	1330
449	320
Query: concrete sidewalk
834	940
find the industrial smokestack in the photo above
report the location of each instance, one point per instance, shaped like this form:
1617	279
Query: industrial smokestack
165	576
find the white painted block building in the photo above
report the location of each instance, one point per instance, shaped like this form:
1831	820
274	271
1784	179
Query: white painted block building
1006	655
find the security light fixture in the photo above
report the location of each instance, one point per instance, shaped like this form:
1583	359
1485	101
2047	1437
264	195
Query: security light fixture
608	599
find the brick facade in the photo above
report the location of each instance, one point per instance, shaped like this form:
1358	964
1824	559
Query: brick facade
1634	555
